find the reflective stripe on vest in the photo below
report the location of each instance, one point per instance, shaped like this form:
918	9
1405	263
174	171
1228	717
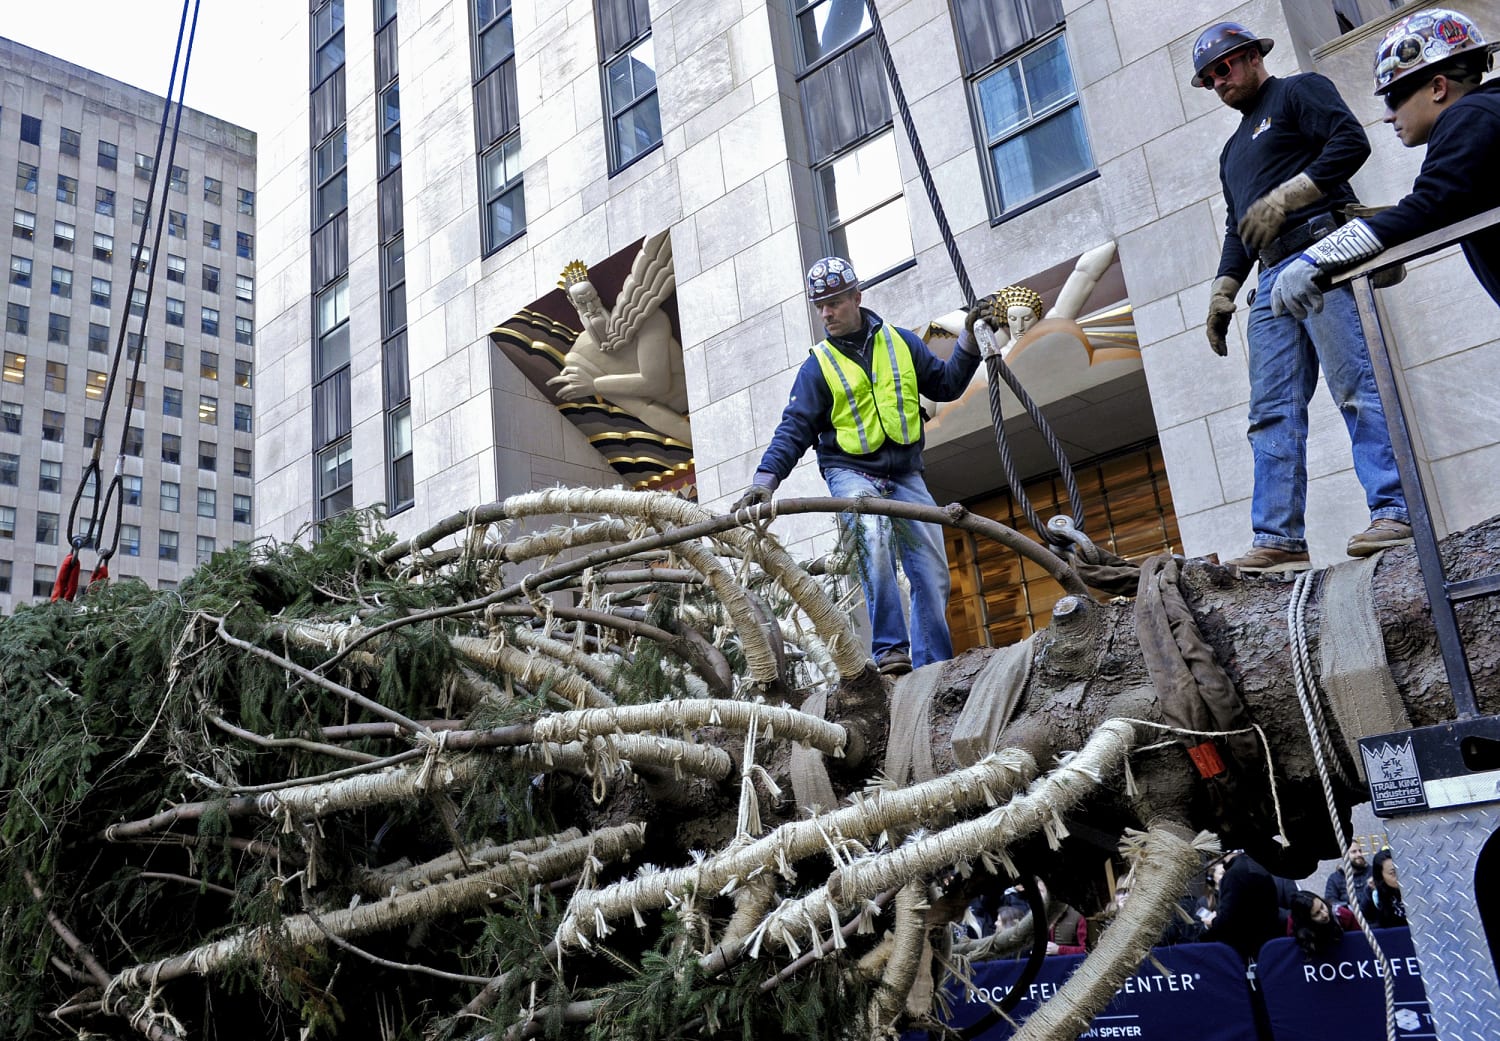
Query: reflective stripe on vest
865	416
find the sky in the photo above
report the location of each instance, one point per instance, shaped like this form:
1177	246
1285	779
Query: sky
133	41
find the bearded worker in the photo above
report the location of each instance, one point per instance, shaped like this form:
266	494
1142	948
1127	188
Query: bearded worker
855	400
1285	173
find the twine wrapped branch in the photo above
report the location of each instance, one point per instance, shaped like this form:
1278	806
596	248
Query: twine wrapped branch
393	880
785	723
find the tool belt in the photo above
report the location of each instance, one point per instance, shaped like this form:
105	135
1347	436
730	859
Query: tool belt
1295	240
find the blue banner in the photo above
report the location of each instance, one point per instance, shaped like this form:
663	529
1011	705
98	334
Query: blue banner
1343	995
1202	995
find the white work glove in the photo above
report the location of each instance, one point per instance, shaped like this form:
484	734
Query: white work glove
1296	290
1220	313
1263	220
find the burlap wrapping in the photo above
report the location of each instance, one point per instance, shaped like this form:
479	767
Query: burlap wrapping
992	701
810	784
1352	663
908	755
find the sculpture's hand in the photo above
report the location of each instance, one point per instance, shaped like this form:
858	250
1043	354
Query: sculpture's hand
572	383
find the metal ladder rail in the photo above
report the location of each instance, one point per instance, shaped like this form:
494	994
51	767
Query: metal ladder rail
1442	595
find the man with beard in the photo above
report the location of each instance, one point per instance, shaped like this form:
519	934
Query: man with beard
1285	173
1336	891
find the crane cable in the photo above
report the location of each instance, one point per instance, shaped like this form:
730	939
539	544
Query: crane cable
994	365
66	584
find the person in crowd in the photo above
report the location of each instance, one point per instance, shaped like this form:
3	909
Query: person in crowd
1318	927
1247	916
1430	70
1182	928
1336	889
1285	174
1069	930
1383	906
857	401
1208	902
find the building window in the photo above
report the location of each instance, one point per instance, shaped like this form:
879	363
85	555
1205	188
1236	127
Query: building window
208	456
135	445
335	479
62	236
26	177
171	401
100	290
53	425
17	320
68	141
43	576
393	256
109	156
210	322
492	26
629	80
172	357
166	546
130	540
332	328
504	196
244	288
132	345
171	447
206	546
67	189
210	279
242	460
403	479
23	226
211	235
329	168
31	130
244	330
176	269
94	384
176	311
171	497
208	503
20	271
208	409
242	415
328	39
10	417
10	469
92	427
176	225
390	128
104	202
5	576
98	337
49	476
46	530
244	245
242	509
57	328
213	191
104	247
139	215
244	370
15	365
56	377
177	180
145	166
208	365
62	283
246	202
7	522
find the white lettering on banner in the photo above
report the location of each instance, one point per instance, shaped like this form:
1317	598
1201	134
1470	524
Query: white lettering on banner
1155	983
1367	969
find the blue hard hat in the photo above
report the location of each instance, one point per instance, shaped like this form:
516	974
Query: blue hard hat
1220	39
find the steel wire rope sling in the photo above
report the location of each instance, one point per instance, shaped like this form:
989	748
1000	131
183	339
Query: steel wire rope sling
994	364
66	584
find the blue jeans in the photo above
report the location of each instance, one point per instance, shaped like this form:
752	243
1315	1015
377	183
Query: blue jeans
1284	357
923	558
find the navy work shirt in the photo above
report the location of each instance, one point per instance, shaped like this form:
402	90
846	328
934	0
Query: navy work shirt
1460	177
1298	125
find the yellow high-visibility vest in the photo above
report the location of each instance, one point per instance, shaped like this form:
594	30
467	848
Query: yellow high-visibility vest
866	414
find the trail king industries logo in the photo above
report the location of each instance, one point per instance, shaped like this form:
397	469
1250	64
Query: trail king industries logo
1395	780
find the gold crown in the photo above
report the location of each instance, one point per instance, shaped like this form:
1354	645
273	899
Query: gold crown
1019	296
574	273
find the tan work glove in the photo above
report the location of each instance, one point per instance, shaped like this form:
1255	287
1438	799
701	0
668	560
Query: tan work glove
1263	220
1221	313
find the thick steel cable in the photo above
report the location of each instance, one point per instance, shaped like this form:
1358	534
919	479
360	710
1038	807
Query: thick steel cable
1318	734
994	365
106	494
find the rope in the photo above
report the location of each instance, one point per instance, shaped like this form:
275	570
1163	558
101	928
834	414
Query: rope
114	491
994	365
1317	731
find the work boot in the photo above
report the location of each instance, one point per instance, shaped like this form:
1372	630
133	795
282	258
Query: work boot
1381	534
1266	560
894	662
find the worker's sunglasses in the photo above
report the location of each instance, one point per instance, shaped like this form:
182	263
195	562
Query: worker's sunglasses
1220	71
1404	92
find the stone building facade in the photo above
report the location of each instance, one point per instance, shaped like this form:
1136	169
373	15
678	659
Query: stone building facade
761	135
82	146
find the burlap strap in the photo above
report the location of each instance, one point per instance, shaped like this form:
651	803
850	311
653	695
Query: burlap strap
810	784
1352	662
908	755
992	701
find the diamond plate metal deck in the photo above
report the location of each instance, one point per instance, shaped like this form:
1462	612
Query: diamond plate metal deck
1436	854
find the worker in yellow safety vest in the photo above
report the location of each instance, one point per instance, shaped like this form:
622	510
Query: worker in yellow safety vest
856	401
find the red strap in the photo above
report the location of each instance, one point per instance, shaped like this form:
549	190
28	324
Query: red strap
65	587
1206	758
99	577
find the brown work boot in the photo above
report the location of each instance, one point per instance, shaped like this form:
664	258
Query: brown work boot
894	662
1266	560
1381	534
